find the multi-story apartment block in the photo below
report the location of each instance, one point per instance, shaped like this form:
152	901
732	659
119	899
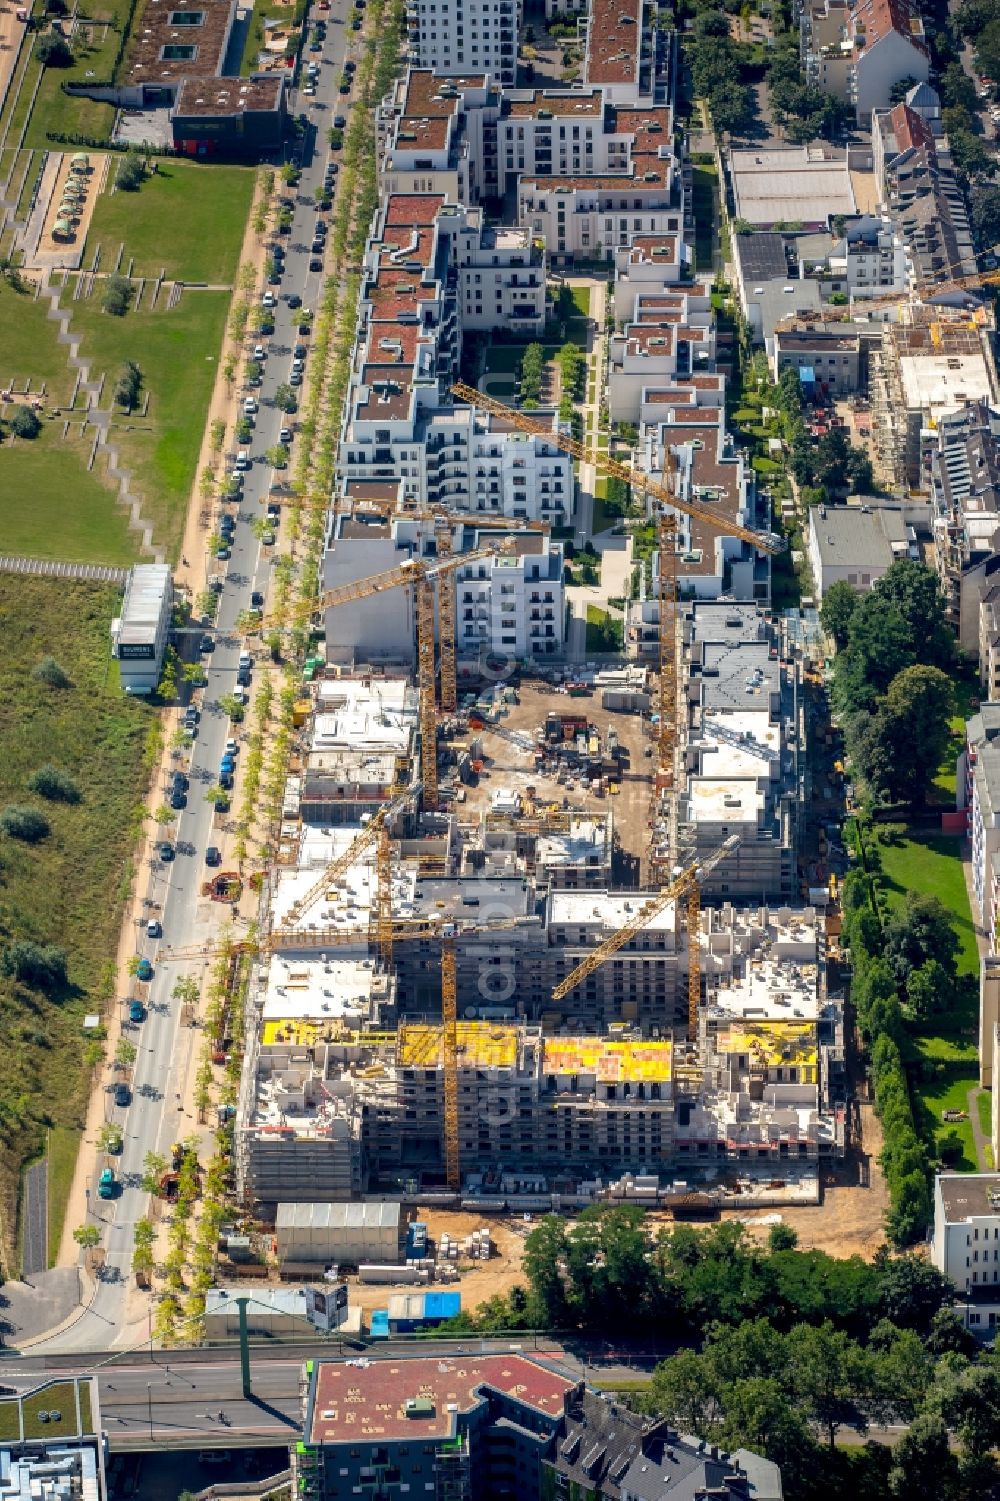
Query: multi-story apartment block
626	54
459	36
964	465
512	605
965	1246
437	134
979	786
858	52
669	337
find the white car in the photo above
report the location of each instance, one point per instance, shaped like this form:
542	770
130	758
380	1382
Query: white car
259	352
232	747
241	695
269	300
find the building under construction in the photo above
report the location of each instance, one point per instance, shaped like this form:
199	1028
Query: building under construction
333	1104
929	364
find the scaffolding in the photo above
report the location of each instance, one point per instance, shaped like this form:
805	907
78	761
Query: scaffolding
452	1470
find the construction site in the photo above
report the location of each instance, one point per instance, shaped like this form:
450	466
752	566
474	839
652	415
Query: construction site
537	936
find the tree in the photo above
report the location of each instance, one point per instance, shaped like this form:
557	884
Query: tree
914	590
924	1450
837	611
231	706
164	815
53	51
20	822
125	1052
911	1291
879	645
58	786
109	1138
217	794
986	215
899	90
87	1236
117	296
41	966
285	399
154	1166
544	1251
25	423
49	672
186	990
129	385
781	1238
929	990
277	456
131	173
908	735
832	1378
919	931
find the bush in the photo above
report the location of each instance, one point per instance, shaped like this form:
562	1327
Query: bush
117	296
48	671
131	174
58	786
27	824
40	965
25	424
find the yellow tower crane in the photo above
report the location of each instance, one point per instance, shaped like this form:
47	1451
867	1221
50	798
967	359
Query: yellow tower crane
421	573
680	886
764	541
904	296
369	835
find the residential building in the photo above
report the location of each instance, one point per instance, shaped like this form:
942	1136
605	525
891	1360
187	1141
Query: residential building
989	1026
459	36
512	604
437	134
988	643
981	781
831	358
52	1467
139	635
670	337
860	52
856	544
965	1246
964	464
626	54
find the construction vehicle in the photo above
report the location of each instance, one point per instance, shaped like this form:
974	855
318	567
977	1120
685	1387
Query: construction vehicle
420	573
685	884
668	504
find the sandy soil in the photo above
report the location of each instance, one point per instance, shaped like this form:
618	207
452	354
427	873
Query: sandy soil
93	181
487	1279
508	766
11	32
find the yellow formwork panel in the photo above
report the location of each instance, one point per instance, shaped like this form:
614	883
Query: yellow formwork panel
611	1060
480	1045
775	1043
299	1033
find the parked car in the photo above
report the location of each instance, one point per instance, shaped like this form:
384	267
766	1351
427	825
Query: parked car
154	928
106	1184
314	265
177	800
294	300
213	855
207	643
256	600
144	970
166	853
123	1095
136	1011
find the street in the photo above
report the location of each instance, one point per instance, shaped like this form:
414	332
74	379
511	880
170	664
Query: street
165	1050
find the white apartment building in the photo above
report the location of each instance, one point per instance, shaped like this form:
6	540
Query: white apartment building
512	605
454	36
671	337
966	1243
625	54
875	258
859	52
436	134
557	133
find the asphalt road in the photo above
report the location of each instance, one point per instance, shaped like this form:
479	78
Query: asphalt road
35	1249
152	1121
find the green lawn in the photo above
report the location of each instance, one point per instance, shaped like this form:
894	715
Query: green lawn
64	1146
69	889
581	300
605	632
56	509
967	690
263	10
703	194
932	863
95	47
28	347
188	220
57	1397
177	352
944	1064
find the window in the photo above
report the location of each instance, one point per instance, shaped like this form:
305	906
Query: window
187	17
175	52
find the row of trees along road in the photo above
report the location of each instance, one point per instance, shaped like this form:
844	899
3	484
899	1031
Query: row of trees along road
895	651
778	1349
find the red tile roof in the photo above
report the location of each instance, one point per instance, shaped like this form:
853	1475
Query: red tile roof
358	1405
910	129
876	18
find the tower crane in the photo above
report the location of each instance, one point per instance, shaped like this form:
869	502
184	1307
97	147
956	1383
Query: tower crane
368	836
682	885
905	294
764	541
419	572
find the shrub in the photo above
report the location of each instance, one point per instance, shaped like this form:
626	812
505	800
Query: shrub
117	296
131	173
24	423
49	671
58	786
54	52
27	824
40	965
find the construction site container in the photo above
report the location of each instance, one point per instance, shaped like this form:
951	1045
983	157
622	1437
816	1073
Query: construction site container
406	1273
339	1232
411	1311
625	701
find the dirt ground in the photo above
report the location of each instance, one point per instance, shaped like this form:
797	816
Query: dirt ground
508	766
11	32
487	1279
93	181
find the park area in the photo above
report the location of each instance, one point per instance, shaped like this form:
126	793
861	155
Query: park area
944	1064
67	866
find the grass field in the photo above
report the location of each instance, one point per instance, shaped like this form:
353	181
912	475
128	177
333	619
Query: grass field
703	194
68	890
63	1147
967	691
946	1060
187	220
177	352
57	1397
56	509
28	347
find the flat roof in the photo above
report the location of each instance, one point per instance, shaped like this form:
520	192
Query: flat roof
606	910
849	537
613	40
969	1195
229	96
480	1045
939	383
337	1216
163	50
560	103
305	994
792	184
424	97
774	1042
146	588
354	1403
